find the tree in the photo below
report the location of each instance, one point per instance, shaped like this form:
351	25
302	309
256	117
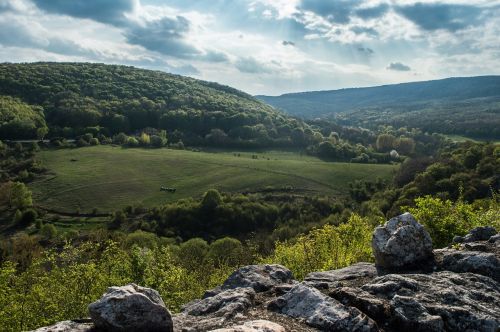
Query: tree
158	141
48	231
144	139
29	216
16	194
405	146
193	253
226	251
385	142
211	199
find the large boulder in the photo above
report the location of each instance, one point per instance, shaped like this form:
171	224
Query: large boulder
355	274
440	301
402	242
131	308
320	311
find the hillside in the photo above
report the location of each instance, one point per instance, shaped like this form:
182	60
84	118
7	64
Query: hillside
471	105
75	96
109	178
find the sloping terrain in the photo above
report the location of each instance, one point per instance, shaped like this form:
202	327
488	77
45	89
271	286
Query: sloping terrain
469	106
126	99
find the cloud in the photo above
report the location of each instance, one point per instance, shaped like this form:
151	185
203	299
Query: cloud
287	43
68	47
165	36
107	11
398	66
366	50
359	30
435	16
250	65
19	32
372	12
338	11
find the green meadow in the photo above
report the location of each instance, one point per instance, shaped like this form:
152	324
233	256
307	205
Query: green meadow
110	178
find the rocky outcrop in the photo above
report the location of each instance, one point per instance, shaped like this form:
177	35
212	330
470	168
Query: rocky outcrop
477	234
483	263
259	277
131	308
84	325
321	311
402	242
356	274
254	326
224	304
440	301
409	288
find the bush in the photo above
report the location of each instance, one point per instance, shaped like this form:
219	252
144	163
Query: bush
132	142
94	141
326	248
48	231
444	219
226	252
29	216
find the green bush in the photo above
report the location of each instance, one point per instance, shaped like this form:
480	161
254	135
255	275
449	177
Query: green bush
326	248
444	219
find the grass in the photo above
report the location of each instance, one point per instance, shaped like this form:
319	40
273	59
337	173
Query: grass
110	178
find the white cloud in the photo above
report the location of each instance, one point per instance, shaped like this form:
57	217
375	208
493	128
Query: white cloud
240	42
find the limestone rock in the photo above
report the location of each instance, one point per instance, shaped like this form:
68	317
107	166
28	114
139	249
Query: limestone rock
357	273
494	239
440	301
254	326
483	263
321	311
131	308
401	242
259	277
480	234
69	326
227	303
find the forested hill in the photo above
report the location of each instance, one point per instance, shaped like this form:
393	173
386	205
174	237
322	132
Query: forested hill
71	96
466	106
451	89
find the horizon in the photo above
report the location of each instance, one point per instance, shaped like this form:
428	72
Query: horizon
263	47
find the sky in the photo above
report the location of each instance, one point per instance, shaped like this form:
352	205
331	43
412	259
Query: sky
263	46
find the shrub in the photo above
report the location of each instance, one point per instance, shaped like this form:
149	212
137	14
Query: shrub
444	219
94	141
48	231
326	248
29	216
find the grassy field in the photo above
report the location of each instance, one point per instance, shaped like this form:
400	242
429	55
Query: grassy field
110	178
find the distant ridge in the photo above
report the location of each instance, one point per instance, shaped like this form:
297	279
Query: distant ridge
318	103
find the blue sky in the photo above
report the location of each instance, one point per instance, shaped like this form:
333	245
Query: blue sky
263	46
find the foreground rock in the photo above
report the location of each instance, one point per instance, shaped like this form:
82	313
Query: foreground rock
441	290
131	308
254	326
477	234
483	263
261	278
355	274
69	326
441	301
321	311
401	242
